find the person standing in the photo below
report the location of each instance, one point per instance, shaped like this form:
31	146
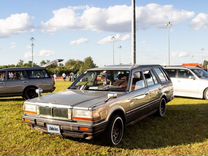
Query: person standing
64	76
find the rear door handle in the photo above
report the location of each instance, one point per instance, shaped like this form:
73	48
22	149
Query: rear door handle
25	82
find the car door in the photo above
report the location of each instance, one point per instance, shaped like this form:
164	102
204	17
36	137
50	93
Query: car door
138	96
16	81
40	78
172	73
154	87
187	84
2	82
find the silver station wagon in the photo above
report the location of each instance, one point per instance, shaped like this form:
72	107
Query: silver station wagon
102	100
24	82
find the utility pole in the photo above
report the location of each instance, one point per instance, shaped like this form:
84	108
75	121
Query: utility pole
113	39
32	46
169	25
133	33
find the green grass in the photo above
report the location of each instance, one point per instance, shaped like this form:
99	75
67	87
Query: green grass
184	131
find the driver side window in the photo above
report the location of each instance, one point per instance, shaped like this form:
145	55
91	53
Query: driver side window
182	73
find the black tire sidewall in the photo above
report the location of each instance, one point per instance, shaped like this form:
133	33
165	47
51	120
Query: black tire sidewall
113	120
162	102
26	96
204	94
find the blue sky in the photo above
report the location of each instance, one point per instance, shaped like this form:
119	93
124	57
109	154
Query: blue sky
71	29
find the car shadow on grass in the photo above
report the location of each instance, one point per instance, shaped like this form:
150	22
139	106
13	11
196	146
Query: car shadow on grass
183	124
11	99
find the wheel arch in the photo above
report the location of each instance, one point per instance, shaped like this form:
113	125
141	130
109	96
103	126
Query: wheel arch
30	86
117	111
203	94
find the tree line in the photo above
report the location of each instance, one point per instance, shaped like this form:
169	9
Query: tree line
71	65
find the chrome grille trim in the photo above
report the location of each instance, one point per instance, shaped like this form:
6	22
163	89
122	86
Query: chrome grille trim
53	112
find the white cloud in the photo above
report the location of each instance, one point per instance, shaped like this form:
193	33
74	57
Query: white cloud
79	41
155	15
15	23
117	37
181	54
115	18
62	19
46	53
41	53
200	21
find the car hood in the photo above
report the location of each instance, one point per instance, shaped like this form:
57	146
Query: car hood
73	98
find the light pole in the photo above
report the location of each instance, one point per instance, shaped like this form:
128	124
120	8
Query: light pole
32	45
113	39
133	33
119	54
169	25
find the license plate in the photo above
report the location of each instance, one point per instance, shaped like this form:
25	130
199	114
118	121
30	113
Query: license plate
53	129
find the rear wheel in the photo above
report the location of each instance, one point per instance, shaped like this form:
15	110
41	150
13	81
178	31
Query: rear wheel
30	93
205	94
162	108
115	130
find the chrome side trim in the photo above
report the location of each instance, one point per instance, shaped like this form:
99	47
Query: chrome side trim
151	103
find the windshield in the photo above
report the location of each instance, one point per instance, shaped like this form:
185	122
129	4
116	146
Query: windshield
105	80
201	73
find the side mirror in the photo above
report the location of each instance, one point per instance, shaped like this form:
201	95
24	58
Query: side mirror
39	91
111	96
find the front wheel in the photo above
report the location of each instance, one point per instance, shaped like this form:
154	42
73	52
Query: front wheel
162	108
115	130
205	94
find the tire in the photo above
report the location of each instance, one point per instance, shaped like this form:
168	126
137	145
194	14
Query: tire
115	130
205	94
162	108
29	93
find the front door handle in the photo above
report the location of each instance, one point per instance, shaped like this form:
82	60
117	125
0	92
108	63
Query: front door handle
2	83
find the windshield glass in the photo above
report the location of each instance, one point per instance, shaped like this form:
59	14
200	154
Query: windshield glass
105	80
201	73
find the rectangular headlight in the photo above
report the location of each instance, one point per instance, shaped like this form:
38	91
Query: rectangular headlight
30	108
82	114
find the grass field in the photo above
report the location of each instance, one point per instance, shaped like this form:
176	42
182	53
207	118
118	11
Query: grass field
184	131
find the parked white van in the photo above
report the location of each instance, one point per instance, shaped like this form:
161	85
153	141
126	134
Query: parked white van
189	81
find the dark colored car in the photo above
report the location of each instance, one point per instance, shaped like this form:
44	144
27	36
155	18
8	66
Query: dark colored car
102	100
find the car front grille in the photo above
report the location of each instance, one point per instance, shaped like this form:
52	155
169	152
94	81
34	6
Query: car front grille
53	112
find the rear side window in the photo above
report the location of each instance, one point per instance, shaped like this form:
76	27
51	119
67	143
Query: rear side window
183	73
2	76
163	78
37	74
150	79
171	72
16	75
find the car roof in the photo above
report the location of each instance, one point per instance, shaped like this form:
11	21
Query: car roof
21	69
180	67
122	67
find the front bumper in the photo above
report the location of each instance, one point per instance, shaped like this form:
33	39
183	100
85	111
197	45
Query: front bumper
67	128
